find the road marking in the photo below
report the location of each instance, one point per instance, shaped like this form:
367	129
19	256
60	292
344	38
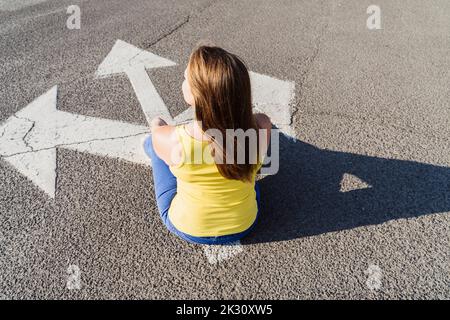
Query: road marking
274	97
219	253
125	58
12	5
270	95
29	138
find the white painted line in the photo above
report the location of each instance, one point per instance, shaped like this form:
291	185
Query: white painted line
274	97
28	139
12	5
219	253
39	167
125	58
185	116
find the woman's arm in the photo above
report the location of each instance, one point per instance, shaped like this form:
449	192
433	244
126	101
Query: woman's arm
263	122
165	142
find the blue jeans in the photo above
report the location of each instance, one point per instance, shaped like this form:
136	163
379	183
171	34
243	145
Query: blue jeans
165	189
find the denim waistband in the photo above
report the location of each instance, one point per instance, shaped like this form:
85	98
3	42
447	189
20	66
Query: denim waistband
210	240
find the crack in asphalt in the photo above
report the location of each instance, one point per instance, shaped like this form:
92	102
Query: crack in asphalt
3	132
178	26
167	34
311	60
76	143
56	171
24	138
310	63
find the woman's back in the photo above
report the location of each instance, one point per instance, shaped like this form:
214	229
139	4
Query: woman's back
213	200
208	204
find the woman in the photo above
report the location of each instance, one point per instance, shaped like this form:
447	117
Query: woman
205	193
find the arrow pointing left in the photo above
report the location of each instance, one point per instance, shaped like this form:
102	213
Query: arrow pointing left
29	138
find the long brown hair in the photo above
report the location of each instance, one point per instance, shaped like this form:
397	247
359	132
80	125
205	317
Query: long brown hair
220	84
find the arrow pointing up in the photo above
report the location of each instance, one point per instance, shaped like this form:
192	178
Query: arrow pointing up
270	95
125	58
29	138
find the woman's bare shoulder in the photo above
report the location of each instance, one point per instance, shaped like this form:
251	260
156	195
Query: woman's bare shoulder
165	141
263	121
164	135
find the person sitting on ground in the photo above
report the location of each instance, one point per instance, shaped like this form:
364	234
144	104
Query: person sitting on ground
204	177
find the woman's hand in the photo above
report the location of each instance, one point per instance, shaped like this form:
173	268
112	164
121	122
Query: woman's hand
157	122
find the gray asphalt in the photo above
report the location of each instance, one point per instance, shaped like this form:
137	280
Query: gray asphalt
372	104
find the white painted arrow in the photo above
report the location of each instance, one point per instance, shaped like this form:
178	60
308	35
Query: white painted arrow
29	138
274	97
270	95
125	58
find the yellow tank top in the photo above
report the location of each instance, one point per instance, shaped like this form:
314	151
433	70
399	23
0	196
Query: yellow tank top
206	203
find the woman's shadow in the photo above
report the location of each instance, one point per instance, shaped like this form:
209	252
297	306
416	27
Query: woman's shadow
309	197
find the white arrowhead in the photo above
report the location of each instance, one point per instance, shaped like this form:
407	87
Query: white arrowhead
29	139
125	58
274	97
39	167
351	182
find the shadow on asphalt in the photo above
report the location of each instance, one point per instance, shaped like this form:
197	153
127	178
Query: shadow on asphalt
304	197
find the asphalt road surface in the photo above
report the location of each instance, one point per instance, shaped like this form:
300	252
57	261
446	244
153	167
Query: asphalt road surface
360	207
